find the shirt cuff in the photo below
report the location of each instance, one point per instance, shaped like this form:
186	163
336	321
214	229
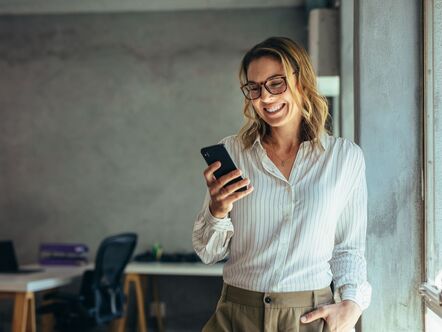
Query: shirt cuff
218	223
361	295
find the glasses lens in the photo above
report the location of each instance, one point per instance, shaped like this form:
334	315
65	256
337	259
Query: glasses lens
276	85
251	90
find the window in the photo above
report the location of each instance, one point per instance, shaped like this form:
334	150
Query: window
431	289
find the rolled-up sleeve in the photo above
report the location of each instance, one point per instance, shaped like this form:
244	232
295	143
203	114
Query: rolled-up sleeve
348	264
211	236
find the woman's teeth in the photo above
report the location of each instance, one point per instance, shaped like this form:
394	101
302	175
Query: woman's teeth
274	108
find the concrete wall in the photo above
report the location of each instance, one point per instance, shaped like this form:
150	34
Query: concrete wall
102	118
346	97
389	129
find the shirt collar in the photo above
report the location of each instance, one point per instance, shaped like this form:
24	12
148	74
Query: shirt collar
257	141
323	138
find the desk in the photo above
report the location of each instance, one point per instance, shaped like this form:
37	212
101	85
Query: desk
22	288
176	269
134	276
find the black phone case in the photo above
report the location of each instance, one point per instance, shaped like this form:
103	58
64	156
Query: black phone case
219	153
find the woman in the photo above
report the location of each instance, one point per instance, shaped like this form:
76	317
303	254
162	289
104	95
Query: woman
301	223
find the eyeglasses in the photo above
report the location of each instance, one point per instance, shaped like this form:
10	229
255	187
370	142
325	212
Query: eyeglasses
274	85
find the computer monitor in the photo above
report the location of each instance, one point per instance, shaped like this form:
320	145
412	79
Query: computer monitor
8	259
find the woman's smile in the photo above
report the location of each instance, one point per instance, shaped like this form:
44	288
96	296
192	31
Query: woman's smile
274	108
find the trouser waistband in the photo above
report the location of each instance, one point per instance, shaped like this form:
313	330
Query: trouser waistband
277	300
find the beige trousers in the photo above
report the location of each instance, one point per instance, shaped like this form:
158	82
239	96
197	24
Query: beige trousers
241	310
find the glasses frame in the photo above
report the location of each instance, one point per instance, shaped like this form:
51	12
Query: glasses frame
265	86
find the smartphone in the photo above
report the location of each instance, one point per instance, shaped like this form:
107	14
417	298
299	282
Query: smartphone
219	153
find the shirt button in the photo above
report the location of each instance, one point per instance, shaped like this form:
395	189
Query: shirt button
267	299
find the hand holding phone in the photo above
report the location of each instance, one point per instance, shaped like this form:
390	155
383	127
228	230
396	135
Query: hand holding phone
219	153
223	179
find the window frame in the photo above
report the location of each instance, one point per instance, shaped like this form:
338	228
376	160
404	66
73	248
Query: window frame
430	291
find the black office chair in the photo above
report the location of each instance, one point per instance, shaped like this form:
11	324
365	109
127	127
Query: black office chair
101	296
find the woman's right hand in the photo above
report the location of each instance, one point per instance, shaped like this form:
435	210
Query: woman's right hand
222	198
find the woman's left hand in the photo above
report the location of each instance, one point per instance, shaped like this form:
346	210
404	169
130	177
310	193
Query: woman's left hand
340	317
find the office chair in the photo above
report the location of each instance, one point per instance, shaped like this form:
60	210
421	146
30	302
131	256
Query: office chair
101	296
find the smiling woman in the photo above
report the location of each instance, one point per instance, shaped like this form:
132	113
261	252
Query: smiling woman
301	224
292	61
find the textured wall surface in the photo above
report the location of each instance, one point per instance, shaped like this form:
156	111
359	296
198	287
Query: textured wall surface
102	118
347	111
390	129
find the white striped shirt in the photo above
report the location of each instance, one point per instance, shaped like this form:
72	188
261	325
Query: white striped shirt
296	234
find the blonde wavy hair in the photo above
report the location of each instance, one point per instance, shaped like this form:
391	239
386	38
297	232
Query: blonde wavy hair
300	76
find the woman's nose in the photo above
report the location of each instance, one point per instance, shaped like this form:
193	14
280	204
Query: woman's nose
265	95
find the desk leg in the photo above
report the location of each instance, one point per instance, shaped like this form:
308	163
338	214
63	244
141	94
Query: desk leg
24	312
140	303
135	279
156	298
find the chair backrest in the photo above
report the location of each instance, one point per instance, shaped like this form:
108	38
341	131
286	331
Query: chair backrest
112	257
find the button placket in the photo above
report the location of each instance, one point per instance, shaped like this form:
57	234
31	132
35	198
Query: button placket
284	241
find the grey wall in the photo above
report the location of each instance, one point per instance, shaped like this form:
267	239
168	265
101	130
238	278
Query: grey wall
101	122
102	118
388	63
346	97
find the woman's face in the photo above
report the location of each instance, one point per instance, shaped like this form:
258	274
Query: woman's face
276	110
